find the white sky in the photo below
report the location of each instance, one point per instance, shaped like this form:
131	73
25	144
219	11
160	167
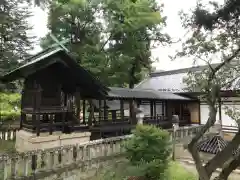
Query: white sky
174	29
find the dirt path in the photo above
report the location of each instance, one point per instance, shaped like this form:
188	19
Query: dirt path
191	168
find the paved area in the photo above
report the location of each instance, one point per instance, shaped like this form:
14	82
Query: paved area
191	168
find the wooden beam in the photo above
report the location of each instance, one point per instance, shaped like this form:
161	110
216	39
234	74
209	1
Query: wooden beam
122	109
154	109
84	111
99	110
151	108
105	111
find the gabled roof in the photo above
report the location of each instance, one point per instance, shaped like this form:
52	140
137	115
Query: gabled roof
49	57
143	94
172	81
213	145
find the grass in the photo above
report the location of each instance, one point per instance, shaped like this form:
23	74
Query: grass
177	172
7	146
121	170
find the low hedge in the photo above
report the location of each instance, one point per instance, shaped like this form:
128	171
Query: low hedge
9	106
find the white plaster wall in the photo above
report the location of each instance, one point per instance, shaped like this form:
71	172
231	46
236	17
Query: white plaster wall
226	120
146	109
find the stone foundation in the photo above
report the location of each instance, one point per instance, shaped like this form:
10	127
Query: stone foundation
26	141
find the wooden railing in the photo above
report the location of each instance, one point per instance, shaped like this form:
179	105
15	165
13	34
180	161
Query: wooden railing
45	163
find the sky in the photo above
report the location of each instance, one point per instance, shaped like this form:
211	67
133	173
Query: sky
174	29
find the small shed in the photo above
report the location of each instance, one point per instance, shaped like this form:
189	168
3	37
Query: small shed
51	80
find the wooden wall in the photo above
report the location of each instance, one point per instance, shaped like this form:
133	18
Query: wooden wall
194	111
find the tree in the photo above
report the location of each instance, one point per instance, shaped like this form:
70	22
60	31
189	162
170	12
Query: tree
93	36
133	28
211	39
14	41
76	22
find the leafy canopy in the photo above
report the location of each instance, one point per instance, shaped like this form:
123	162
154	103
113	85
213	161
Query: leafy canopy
110	38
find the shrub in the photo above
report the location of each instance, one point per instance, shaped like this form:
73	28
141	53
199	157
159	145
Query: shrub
149	148
9	106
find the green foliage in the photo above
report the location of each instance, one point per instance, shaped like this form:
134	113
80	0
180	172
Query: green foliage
14	39
149	148
123	170
116	51
9	106
7	146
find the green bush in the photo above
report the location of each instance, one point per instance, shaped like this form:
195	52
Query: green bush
149	148
9	106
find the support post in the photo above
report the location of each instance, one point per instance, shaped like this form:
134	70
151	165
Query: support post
105	111
122	109
100	111
175	125
84	111
151	109
220	116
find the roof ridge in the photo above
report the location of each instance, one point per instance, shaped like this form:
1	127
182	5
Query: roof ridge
183	70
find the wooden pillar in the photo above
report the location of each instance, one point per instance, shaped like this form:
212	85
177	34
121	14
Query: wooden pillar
51	124
132	112
36	107
77	103
154	109
122	109
105	111
220	115
166	110
180	112
23	115
151	109
91	113
84	111
100	111
163	108
114	115
64	115
199	112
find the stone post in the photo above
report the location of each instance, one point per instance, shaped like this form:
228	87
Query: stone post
139	115
175	124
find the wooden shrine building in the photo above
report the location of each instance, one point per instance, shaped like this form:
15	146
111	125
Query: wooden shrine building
61	96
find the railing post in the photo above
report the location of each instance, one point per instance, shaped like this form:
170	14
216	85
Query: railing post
5	167
25	164
14	166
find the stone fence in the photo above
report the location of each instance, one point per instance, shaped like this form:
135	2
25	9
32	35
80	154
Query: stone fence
60	163
8	134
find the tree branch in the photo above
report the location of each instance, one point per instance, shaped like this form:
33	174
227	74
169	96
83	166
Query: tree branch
227	170
219	159
228	60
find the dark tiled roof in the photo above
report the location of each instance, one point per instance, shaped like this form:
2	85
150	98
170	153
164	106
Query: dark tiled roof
172	81
143	94
213	145
187	70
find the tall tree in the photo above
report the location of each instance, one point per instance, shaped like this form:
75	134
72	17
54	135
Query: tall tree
14	41
104	44
214	35
134	27
77	23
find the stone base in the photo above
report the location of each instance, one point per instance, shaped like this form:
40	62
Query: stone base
26	141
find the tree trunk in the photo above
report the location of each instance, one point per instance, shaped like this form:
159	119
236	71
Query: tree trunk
227	170
131	86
